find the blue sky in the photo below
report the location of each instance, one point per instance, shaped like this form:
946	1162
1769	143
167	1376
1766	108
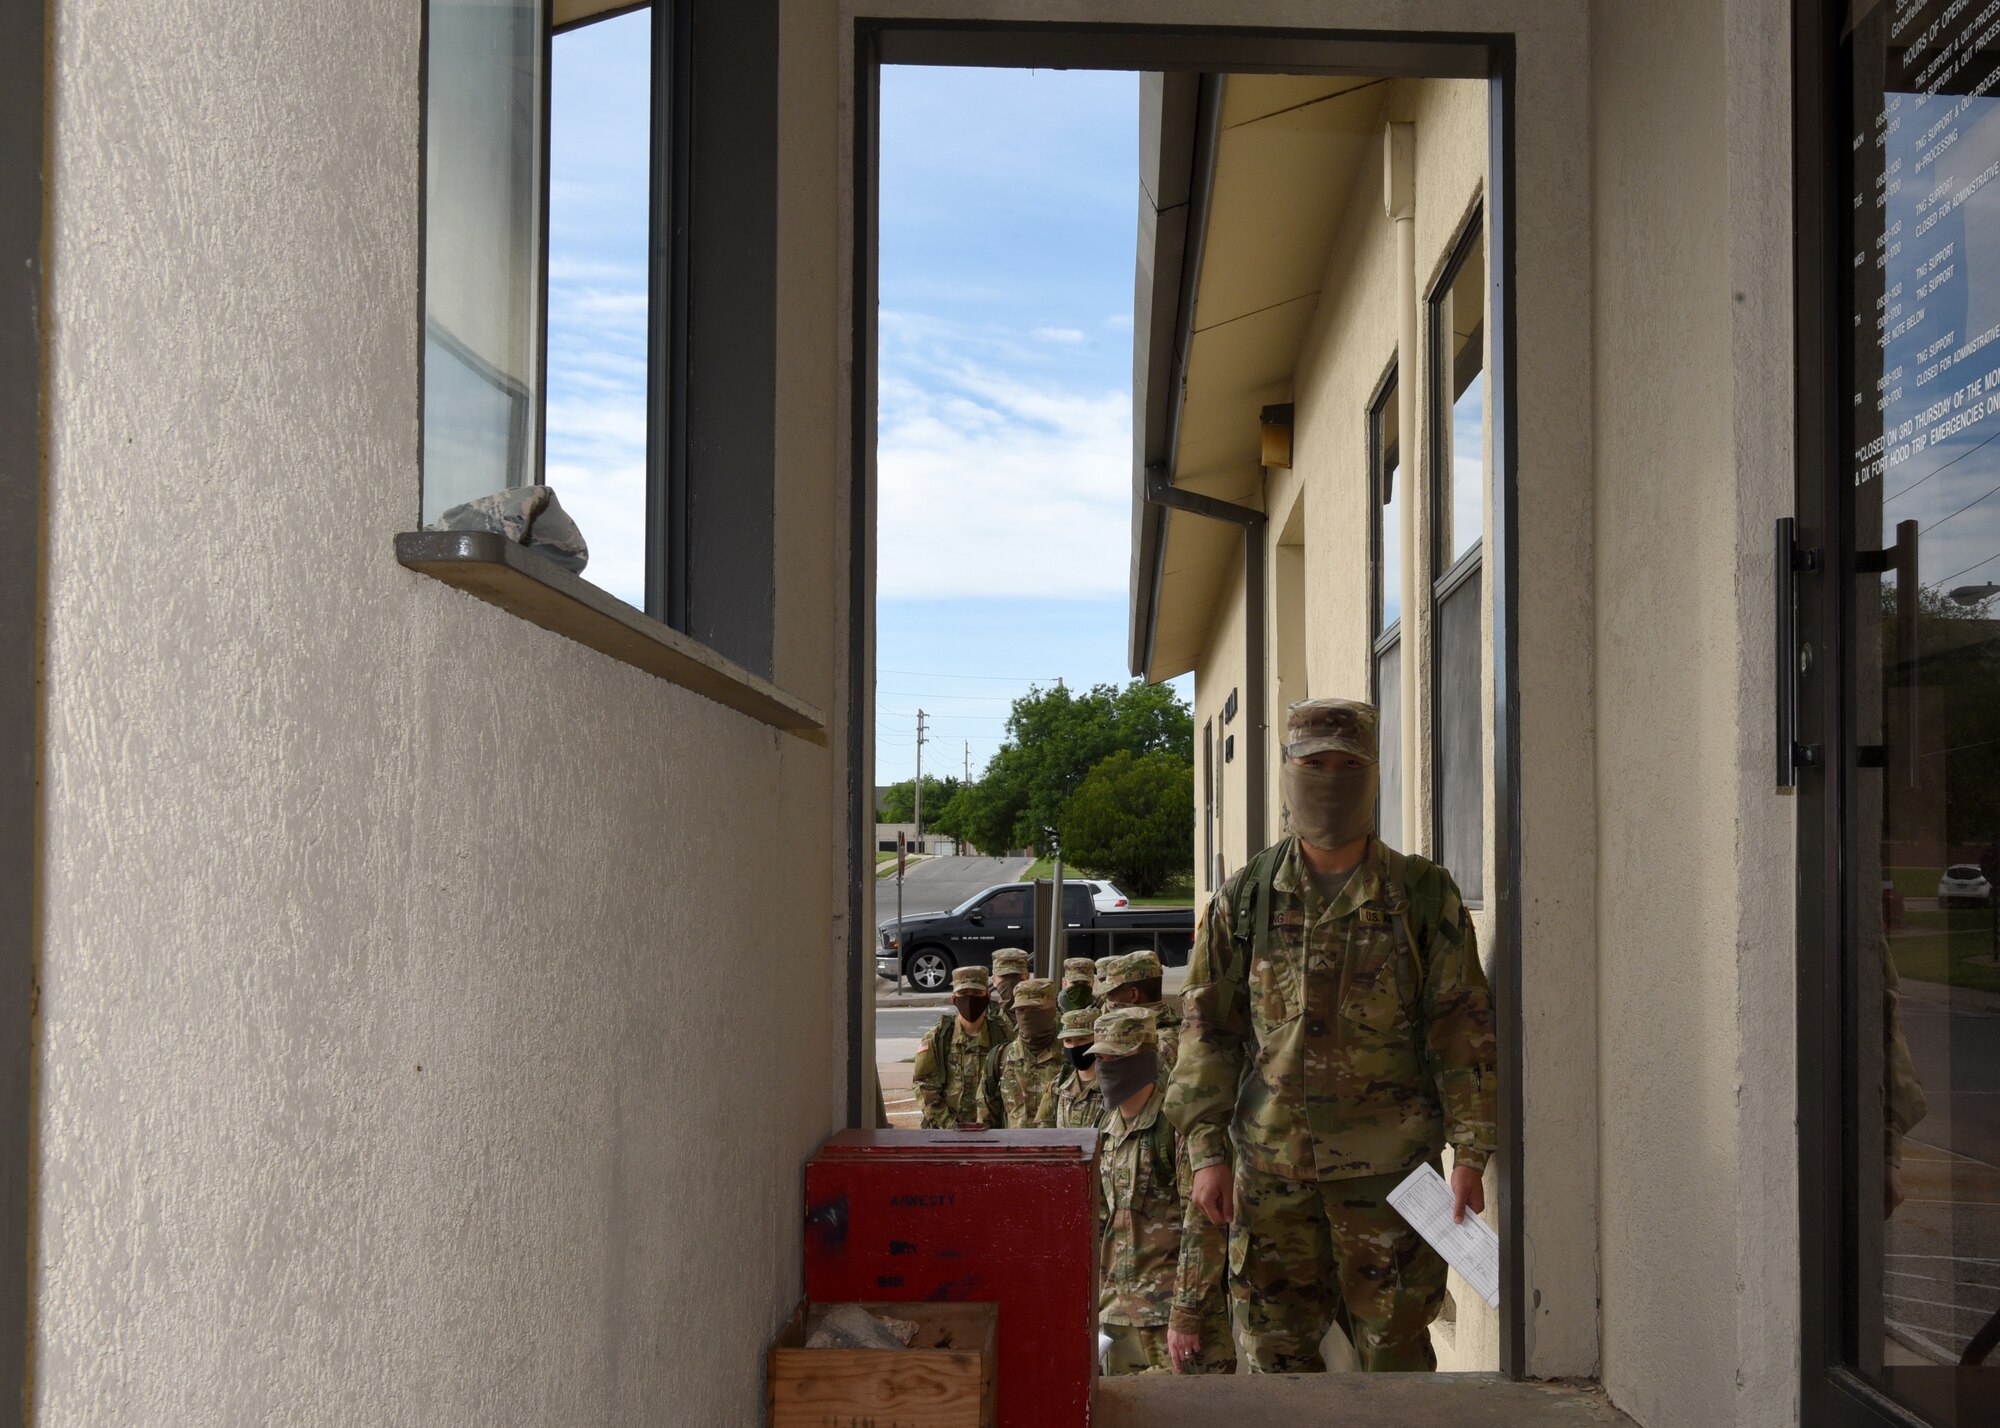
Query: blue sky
1009	203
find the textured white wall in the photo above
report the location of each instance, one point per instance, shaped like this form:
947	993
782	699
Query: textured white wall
434	1012
1693	424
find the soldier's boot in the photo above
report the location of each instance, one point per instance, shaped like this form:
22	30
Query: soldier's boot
1391	1282
1136	1348
1280	1272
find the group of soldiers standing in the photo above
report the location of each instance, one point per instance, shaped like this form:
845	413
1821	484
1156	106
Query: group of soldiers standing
1335	1032
1095	1052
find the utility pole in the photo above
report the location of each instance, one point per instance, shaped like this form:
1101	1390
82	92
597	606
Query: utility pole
920	781
968	784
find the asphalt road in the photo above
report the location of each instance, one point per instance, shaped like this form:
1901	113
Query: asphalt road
940	884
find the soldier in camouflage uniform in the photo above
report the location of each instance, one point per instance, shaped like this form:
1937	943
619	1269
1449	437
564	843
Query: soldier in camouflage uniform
1078	973
1135	980
1079	1105
1021	1075
1010	968
950	1064
1149	1274
1352	971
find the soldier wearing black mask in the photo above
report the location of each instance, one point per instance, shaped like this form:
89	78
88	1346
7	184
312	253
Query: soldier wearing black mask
1078	1101
951	1058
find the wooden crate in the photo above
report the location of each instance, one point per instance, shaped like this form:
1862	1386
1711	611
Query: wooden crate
945	1379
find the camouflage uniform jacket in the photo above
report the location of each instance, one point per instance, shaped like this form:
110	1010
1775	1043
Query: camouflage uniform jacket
1079	1103
947	1084
1021	1091
1334	1057
1143	1185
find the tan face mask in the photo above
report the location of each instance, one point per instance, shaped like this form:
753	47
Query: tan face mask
1331	807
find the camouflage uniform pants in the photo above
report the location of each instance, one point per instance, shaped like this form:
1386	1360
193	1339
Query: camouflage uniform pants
1136	1348
1305	1253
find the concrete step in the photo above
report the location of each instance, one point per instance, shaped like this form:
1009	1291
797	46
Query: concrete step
1351	1400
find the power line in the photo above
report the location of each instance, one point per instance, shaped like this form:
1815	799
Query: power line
1946	580
1962	509
1001	678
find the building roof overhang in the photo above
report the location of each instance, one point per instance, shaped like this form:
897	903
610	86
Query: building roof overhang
1244	180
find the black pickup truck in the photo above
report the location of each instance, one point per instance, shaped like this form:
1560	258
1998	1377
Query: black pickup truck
932	943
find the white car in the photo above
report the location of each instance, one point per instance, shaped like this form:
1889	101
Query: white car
1105	896
1963	885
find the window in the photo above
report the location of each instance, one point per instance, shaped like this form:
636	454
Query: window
1012	903
1208	806
1386	544
483	273
570	337
1457	333
599	299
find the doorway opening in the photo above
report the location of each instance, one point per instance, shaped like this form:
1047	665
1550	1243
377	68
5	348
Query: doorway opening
1268	525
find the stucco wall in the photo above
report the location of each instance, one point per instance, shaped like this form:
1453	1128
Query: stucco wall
421	1040
1692	420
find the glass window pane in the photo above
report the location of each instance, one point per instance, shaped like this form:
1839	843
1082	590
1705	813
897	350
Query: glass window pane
1467	512
1460	324
1388	515
1389	744
1921	961
1461	795
482	237
600	164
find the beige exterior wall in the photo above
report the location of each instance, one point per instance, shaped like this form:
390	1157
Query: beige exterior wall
410	976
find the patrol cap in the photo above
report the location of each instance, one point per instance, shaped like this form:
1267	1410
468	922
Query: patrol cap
1116	972
1124	1031
1078	969
1010	962
1324	726
968	979
1035	992
1076	1025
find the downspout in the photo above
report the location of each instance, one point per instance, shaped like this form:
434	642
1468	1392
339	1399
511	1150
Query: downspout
1255	695
1399	200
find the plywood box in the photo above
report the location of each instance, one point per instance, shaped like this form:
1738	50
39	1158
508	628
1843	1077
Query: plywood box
945	1379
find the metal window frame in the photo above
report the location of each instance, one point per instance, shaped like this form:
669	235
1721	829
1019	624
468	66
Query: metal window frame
1437	483
1830	1393
878	40
24	53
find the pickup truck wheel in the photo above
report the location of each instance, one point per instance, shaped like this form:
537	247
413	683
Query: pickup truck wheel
928	970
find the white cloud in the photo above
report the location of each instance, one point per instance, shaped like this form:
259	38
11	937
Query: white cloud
1064	336
1119	322
992	485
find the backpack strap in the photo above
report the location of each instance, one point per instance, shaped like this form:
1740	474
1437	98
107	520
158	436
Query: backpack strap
1249	924
1417	885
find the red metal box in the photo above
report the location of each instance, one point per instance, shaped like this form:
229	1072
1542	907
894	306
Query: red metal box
1005	1216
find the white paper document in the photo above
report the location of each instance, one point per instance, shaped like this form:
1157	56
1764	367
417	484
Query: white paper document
1471	1248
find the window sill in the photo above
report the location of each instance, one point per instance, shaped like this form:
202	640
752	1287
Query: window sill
496	570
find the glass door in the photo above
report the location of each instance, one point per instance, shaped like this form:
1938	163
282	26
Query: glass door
1899	537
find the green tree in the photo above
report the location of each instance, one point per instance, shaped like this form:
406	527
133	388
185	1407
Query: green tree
899	799
1131	819
1057	736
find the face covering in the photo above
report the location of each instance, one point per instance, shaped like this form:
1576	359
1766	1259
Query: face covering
1331	807
1037	1025
1074	997
1123	1077
1079	1057
971	1008
1007	985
